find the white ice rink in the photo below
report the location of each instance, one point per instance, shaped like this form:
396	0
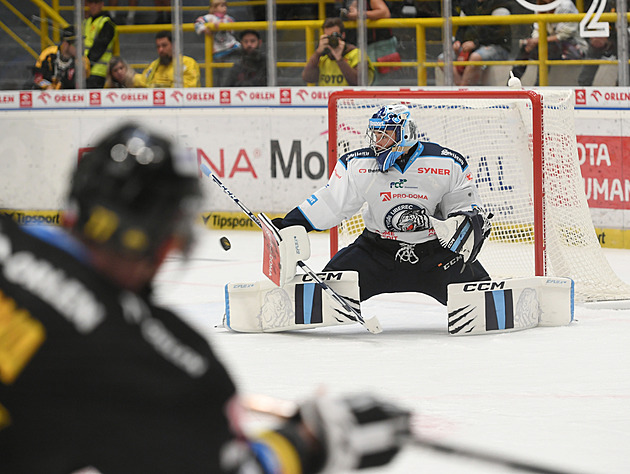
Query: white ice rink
558	397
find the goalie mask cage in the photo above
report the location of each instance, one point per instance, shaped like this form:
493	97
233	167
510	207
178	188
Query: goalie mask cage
521	147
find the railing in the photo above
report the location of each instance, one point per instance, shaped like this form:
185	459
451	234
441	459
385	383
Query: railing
311	27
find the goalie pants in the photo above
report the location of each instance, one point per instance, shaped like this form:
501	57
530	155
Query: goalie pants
381	270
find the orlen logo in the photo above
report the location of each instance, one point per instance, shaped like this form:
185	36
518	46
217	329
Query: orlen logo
580	96
95	98
596	95
177	95
26	99
159	97
225	97
387	196
285	96
302	94
241	95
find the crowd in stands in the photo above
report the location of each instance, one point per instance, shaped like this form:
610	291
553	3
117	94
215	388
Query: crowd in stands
335	61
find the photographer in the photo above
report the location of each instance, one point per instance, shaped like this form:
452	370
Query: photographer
335	62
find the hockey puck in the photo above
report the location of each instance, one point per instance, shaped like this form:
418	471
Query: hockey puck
225	243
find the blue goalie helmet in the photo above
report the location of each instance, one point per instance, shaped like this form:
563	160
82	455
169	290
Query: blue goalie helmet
395	121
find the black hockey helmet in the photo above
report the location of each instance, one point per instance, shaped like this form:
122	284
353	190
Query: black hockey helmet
135	192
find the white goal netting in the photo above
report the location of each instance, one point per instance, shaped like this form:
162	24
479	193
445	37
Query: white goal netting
505	147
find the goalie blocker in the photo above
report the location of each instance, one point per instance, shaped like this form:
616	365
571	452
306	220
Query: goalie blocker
489	307
300	304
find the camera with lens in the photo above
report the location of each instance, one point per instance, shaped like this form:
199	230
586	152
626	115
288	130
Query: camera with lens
333	39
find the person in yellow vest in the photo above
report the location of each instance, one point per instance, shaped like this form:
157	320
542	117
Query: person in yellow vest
161	72
100	34
335	62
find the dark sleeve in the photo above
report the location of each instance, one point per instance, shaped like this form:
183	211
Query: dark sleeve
101	41
294	217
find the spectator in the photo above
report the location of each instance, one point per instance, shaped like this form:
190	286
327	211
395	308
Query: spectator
54	68
335	62
480	42
98	378
564	40
163	16
119	74
251	67
161	72
598	48
224	43
100	35
131	14
382	45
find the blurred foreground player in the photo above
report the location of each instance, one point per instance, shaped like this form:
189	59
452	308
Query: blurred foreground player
424	224
95	378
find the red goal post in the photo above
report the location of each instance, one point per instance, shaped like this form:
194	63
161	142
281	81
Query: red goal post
521	146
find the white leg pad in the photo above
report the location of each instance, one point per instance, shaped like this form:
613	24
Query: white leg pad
301	304
490	307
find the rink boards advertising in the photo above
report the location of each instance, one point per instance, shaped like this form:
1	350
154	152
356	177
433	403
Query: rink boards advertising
268	144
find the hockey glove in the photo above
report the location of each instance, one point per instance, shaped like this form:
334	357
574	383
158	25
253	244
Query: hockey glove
464	232
356	432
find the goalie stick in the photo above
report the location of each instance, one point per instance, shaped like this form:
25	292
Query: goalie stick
286	409
372	324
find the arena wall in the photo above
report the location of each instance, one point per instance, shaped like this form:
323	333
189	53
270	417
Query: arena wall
267	145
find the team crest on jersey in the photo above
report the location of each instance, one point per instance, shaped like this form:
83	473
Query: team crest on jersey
407	218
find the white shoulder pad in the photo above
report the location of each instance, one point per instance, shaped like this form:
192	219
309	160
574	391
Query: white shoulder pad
490	307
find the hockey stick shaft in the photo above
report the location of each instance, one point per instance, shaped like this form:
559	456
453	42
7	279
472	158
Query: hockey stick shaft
371	325
485	457
286	409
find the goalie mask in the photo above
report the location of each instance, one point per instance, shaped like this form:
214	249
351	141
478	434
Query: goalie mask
136	193
391	133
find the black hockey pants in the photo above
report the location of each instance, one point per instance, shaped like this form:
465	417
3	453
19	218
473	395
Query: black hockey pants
389	266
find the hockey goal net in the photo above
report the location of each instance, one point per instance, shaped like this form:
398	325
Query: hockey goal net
521	147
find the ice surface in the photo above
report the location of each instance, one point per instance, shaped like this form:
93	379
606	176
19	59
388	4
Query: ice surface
559	397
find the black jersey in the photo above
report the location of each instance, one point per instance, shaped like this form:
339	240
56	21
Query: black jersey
93	375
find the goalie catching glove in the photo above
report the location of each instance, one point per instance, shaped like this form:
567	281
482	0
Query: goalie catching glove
464	232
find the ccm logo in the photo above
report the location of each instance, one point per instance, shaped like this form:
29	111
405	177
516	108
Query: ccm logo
484	286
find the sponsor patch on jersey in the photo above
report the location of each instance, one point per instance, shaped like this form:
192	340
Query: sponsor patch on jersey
21	335
431	170
312	199
406	218
459	159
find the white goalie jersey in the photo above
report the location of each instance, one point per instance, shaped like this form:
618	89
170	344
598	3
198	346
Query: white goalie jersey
434	181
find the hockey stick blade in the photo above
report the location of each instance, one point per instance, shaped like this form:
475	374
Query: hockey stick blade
372	324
